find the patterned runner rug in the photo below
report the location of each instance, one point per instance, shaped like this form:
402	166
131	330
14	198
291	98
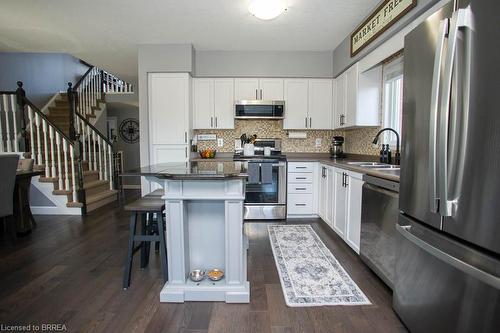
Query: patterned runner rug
309	273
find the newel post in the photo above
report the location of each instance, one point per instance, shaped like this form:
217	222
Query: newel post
80	192
72	110
21	103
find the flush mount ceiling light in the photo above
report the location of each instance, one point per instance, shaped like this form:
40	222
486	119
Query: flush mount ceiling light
266	9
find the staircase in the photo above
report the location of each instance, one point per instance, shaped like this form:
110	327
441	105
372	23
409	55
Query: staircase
76	159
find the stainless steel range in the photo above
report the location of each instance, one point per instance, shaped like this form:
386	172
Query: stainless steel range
265	196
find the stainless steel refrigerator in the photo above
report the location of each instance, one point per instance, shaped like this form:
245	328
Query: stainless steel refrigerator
447	276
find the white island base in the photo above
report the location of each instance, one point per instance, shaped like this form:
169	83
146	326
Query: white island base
204	221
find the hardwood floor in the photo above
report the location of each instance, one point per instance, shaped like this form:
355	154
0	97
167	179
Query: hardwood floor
69	271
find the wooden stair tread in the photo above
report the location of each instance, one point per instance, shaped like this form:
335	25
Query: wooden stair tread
100	196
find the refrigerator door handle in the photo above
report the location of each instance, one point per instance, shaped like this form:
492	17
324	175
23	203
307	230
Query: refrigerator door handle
460	19
436	82
481	275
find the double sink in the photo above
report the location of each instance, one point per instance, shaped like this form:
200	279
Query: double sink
376	166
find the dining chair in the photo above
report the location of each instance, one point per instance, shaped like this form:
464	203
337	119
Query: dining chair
8	167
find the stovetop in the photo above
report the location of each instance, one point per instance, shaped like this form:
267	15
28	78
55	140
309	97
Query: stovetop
260	156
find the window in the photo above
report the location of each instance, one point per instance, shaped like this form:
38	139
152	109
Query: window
392	99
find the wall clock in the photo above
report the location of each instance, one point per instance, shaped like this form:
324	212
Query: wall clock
129	130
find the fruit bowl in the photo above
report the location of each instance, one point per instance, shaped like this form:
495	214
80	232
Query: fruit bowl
207	153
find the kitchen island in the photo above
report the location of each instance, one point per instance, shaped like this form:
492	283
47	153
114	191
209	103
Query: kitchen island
204	228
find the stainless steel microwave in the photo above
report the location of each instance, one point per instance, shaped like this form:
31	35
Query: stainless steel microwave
258	109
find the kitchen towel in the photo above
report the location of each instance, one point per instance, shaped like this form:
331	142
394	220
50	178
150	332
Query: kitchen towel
266	173
253	173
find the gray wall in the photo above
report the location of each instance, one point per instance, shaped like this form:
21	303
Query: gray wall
264	63
131	154
342	56
43	74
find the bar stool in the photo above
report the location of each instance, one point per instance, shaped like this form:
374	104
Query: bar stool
141	208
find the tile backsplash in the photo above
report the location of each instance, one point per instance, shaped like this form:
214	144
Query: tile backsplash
357	141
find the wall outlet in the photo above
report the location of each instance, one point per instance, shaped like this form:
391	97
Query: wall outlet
220	142
318	142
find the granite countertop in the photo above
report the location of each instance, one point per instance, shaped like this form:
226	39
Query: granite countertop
344	163
193	170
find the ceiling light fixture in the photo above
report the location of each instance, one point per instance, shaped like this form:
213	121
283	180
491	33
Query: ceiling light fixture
266	9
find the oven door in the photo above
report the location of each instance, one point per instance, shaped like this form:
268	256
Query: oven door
265	201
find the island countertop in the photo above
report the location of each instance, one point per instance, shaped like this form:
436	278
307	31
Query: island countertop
196	170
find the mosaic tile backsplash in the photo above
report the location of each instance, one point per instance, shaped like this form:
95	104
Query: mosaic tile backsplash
358	141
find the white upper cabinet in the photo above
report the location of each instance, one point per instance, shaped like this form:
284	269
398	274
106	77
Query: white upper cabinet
262	89
169	108
320	104
213	103
224	103
296	104
271	89
246	89
203	103
308	104
357	98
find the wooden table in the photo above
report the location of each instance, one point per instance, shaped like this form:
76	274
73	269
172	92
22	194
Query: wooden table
23	218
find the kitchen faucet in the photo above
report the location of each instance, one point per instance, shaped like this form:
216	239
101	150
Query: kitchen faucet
397	156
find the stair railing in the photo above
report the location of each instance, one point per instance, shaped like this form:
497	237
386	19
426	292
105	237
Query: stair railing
114	85
50	148
95	147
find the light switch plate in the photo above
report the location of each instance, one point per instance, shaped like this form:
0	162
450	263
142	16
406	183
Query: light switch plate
318	142
220	142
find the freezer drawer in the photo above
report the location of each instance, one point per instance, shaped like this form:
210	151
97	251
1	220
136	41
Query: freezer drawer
443	286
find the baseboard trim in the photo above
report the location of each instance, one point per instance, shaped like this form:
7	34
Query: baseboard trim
47	210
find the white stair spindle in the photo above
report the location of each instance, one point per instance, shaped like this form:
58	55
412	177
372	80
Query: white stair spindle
99	151
7	123
105	162
32	136
92	88
52	157
2	149
93	147
89	142
65	159
83	137
38	139
59	166
13	105
111	171
72	156
80	100
46	148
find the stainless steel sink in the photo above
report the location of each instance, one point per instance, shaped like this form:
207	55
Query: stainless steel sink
364	163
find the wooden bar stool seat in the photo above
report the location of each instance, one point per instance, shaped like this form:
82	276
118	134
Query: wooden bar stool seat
150	232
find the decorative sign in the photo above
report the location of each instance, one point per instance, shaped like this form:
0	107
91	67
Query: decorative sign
388	13
129	130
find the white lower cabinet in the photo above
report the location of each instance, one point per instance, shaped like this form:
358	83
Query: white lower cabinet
302	189
326	193
347	206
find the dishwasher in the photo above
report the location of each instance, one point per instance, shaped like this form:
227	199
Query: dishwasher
379	216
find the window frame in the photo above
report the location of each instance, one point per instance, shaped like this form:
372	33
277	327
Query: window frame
392	72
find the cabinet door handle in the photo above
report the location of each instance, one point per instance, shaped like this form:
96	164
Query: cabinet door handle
300	204
256	92
216	122
343	179
306	122
301	178
300	167
310	122
186	151
300	189
261	94
211	121
185	137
